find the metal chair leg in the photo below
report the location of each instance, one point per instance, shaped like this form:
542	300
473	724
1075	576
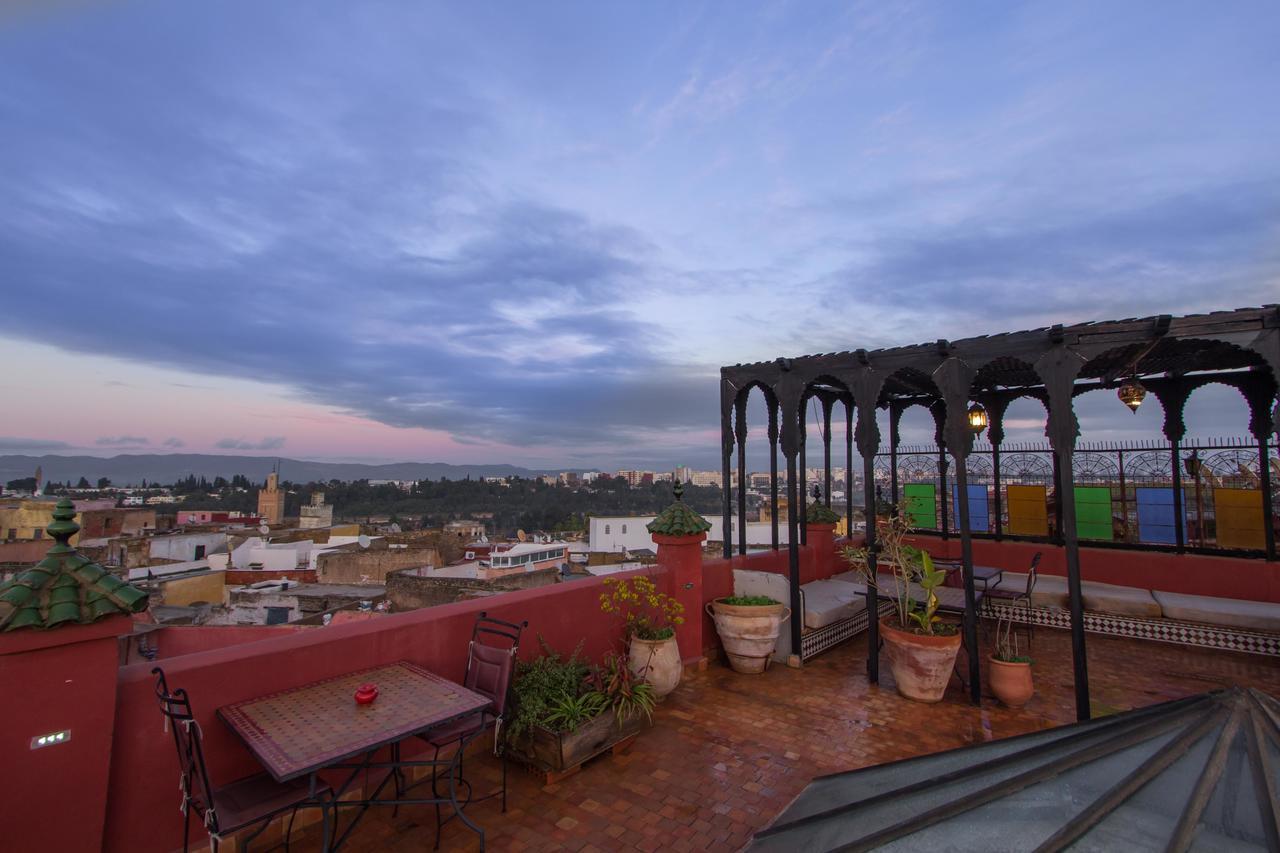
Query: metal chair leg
288	833
504	780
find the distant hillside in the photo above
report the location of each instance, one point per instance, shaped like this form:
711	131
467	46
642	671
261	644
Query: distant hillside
132	469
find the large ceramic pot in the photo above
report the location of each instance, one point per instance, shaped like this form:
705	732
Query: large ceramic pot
921	665
749	633
1011	682
657	662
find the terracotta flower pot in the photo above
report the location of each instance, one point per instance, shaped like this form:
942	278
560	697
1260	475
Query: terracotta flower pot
749	633
1011	682
921	665
657	662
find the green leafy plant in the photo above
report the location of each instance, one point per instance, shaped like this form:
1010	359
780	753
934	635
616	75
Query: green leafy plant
621	689
542	684
648	614
568	712
915	579
749	601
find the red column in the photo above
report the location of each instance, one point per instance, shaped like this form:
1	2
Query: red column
682	557
822	552
59	680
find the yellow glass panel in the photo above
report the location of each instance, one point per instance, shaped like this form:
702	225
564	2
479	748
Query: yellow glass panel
1028	510
1239	517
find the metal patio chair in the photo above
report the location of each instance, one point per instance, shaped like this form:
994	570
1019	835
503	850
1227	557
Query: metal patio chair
229	808
490	672
1017	597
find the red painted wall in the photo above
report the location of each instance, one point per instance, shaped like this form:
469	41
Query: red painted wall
55	798
143	807
1193	574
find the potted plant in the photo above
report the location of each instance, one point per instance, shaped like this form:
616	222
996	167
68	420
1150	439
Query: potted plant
566	711
1010	672
651	618
748	626
921	648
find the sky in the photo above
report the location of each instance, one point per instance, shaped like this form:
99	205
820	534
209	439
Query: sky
532	233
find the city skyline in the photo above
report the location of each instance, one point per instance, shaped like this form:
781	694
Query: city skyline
418	232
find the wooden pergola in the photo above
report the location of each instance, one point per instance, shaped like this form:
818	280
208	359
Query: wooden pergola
1170	356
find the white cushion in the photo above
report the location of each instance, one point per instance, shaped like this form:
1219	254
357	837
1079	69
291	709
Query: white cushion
1231	612
827	602
1119	600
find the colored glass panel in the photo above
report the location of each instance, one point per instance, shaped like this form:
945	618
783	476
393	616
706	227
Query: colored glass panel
1093	512
921	505
1239	518
1156	516
1028	510
979	514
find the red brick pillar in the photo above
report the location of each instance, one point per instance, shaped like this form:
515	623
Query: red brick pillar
682	557
822	552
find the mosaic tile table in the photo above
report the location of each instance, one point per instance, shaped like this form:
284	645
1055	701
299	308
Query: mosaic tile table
319	726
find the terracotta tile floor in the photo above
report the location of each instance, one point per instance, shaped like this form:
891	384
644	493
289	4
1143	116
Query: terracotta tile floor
728	752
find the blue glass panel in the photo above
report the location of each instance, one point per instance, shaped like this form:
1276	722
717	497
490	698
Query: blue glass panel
1155	516
979	516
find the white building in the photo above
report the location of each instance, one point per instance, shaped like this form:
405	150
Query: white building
614	534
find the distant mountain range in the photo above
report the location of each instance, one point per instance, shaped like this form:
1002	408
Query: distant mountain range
131	469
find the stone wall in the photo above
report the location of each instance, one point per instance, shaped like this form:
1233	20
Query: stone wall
354	566
410	592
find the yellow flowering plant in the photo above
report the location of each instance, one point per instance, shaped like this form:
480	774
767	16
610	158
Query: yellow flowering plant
648	614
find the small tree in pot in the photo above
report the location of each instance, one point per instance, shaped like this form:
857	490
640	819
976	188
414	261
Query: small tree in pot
1010	672
921	647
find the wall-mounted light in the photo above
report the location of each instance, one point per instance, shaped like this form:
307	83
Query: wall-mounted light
977	418
51	739
1132	393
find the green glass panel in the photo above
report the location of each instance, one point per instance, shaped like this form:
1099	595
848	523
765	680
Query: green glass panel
1093	512
920	504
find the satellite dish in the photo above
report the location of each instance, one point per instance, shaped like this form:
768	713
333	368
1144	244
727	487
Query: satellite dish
362	541
264	529
522	536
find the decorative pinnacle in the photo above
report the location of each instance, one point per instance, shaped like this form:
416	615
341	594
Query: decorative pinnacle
817	492
679	490
63	526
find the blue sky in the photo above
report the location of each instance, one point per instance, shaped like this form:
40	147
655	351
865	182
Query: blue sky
533	232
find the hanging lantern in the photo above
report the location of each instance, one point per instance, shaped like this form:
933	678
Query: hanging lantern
977	418
1132	393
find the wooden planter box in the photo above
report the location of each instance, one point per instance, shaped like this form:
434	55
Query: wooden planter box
560	753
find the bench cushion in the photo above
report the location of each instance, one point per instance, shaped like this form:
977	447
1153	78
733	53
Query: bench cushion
1231	612
1119	600
827	602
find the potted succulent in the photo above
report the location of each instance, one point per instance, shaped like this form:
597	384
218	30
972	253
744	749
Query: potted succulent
566	711
748	626
1010	672
921	648
651	618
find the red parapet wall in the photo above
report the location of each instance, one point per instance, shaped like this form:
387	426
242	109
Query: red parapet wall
143	815
1191	574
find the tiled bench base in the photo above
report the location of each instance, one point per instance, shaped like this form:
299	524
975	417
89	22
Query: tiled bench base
1160	630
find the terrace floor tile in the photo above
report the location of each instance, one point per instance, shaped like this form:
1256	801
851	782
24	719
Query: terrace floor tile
728	752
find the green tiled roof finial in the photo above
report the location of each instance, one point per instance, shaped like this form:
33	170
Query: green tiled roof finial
679	519
65	587
818	512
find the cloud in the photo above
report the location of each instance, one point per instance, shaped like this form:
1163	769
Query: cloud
174	442
14	444
369	234
268	443
123	441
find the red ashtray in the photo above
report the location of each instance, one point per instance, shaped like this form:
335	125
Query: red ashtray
366	693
